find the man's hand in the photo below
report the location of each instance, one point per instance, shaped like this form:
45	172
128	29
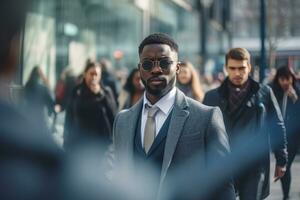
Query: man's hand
57	108
279	172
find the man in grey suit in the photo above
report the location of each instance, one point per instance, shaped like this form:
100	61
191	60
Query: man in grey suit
167	131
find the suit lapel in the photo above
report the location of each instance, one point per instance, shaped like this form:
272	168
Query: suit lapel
131	125
179	115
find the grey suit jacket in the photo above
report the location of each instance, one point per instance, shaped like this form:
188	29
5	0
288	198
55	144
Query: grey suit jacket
195	131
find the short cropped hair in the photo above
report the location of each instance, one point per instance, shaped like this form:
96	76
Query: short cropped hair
158	38
237	54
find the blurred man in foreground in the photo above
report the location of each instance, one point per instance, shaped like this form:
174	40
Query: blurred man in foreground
29	160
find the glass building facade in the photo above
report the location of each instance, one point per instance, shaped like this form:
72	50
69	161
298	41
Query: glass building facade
65	33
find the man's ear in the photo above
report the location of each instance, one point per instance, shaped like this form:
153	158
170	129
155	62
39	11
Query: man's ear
225	70
250	67
178	66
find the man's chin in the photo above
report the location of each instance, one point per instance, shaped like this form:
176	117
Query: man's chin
237	83
157	90
154	91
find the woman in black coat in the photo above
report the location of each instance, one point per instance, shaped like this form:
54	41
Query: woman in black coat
91	111
287	92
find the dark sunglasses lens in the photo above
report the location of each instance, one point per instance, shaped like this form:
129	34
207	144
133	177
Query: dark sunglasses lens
147	65
165	64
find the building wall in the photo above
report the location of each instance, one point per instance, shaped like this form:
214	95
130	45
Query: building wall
65	33
283	30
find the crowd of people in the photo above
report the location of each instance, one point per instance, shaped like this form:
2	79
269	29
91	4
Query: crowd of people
159	135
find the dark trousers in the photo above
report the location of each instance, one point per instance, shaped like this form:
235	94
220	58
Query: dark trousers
249	187
286	179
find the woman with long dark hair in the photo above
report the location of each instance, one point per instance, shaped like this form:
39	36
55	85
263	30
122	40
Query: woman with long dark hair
133	90
287	91
90	112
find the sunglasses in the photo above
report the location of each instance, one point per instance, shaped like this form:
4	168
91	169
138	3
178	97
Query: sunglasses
164	63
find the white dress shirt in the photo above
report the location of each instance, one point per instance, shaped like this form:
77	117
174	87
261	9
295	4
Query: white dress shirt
165	105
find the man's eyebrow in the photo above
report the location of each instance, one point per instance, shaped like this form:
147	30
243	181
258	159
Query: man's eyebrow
237	66
157	58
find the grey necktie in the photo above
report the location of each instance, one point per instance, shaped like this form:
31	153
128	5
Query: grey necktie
150	128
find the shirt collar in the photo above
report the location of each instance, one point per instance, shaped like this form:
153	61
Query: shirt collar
165	103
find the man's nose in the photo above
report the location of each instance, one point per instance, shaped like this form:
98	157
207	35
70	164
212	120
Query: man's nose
237	72
156	66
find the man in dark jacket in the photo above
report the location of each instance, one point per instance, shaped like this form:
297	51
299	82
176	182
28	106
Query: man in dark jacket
30	161
254	125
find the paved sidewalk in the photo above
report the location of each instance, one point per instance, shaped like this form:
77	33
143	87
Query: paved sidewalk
276	193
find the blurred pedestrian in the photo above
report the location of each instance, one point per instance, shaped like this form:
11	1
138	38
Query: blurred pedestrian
287	92
30	162
39	102
64	87
189	81
133	90
91	111
108	78
252	119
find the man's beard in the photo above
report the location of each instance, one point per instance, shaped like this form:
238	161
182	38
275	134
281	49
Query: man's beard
160	91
